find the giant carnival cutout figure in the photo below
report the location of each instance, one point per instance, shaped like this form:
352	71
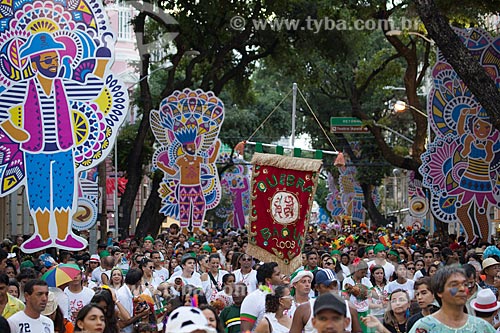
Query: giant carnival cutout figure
237	182
461	167
187	127
60	108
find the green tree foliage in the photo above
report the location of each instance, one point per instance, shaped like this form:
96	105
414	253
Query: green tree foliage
221	55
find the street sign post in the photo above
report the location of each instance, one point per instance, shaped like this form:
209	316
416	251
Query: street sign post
347	125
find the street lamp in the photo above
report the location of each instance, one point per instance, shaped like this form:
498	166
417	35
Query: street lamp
401	106
414	33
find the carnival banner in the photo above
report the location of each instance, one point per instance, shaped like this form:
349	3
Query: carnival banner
282	193
187	128
461	166
60	108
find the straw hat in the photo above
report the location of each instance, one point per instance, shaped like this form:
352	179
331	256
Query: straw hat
488	262
51	306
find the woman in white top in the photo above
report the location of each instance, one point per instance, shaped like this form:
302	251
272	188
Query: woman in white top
379	296
274	320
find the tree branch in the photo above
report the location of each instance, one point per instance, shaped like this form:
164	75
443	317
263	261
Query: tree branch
455	52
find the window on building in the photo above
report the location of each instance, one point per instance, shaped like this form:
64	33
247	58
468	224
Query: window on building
125	30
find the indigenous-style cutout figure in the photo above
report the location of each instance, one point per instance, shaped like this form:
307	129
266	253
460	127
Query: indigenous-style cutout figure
461	166
60	108
187	126
236	181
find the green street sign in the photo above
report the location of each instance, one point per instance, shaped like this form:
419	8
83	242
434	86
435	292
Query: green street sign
347	125
345	121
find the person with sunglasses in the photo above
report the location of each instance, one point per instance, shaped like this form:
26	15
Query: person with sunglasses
149	280
327	262
410	267
246	273
275	321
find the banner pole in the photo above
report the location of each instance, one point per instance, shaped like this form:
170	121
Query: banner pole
294	110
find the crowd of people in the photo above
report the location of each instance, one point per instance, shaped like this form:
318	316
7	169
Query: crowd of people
357	281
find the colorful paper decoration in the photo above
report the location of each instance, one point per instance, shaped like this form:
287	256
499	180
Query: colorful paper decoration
461	166
60	108
86	213
282	193
187	128
237	183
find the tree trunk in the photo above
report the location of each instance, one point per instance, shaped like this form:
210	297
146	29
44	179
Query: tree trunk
151	220
377	218
455	52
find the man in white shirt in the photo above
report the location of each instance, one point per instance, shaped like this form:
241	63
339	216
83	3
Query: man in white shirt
254	305
78	296
301	284
246	274
125	295
215	275
380	259
36	293
188	275
97	270
225	243
402	282
160	272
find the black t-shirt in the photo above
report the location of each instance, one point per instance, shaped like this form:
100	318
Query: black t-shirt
402	328
413	319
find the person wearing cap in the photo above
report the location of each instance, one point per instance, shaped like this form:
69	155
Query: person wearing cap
380	259
485	305
357	280
49	153
188	274
301	286
254	305
369	252
450	289
147	244
55	313
95	268
9	305
329	314
78	296
490	269
326	282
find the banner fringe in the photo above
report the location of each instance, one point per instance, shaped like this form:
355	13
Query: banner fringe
286	162
266	256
